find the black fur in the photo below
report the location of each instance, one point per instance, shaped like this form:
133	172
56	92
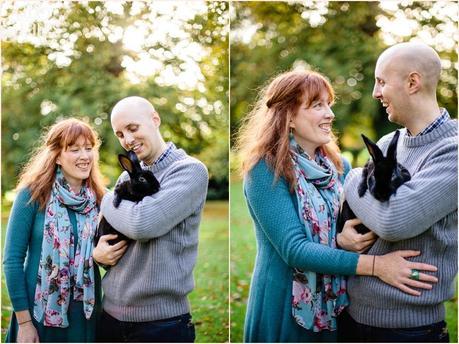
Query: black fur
381	176
141	183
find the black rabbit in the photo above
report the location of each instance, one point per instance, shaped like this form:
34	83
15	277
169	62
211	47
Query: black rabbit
381	176
141	183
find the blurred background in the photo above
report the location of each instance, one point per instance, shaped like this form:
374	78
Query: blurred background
64	59
342	40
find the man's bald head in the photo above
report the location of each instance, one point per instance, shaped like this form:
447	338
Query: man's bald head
414	57
136	124
135	104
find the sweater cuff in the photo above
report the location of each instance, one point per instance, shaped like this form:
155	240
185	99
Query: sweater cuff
20	304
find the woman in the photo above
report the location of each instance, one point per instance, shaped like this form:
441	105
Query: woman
56	293
293	175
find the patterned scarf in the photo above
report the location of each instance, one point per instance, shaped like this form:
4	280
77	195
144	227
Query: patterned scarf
63	269
317	298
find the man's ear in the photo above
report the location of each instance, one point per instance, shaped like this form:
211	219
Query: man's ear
156	119
414	80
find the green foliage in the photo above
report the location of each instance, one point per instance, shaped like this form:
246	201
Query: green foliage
209	299
243	251
80	68
342	40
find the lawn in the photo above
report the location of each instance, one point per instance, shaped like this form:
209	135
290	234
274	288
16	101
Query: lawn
209	300
243	250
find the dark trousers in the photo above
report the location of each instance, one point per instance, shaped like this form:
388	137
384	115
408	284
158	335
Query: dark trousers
178	329
351	331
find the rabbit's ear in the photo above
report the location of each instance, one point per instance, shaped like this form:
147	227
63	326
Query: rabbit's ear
392	150
373	149
135	161
126	163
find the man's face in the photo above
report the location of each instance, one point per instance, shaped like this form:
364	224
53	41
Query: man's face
391	89
137	131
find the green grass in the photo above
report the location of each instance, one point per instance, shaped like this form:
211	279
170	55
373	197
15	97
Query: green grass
243	250
209	300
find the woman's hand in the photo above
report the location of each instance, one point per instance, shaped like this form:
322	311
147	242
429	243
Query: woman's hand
350	240
27	333
395	270
107	254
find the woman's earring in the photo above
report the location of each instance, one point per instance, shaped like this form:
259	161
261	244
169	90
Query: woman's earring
291	132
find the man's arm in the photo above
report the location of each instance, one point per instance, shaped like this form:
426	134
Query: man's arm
182	192
430	195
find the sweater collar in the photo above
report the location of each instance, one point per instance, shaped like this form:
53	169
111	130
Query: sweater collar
173	154
442	118
446	129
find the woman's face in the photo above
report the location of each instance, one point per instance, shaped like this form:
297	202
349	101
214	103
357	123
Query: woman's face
312	126
76	162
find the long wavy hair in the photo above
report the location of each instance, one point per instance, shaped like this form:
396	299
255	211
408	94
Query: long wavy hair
39	173
264	133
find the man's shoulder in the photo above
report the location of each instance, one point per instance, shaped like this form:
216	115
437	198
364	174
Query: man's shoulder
447	141
187	161
186	165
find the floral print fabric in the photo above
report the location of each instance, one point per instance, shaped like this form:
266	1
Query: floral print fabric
64	270
317	298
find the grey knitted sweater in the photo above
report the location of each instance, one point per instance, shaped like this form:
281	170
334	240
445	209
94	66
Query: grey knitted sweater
422	215
151	281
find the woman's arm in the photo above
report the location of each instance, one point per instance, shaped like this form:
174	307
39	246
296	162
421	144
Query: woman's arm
393	269
18	234
271	205
27	332
273	208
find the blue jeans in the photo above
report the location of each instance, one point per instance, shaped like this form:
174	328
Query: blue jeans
178	329
351	331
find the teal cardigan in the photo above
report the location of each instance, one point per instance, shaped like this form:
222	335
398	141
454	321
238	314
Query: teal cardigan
21	259
282	245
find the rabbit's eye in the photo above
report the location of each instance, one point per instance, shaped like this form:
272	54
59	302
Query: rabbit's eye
142	179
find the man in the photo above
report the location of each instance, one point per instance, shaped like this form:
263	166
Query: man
145	293
422	215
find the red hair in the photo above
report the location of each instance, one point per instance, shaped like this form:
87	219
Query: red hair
39	173
264	133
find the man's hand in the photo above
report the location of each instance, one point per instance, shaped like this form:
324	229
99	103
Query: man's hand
107	254
350	240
